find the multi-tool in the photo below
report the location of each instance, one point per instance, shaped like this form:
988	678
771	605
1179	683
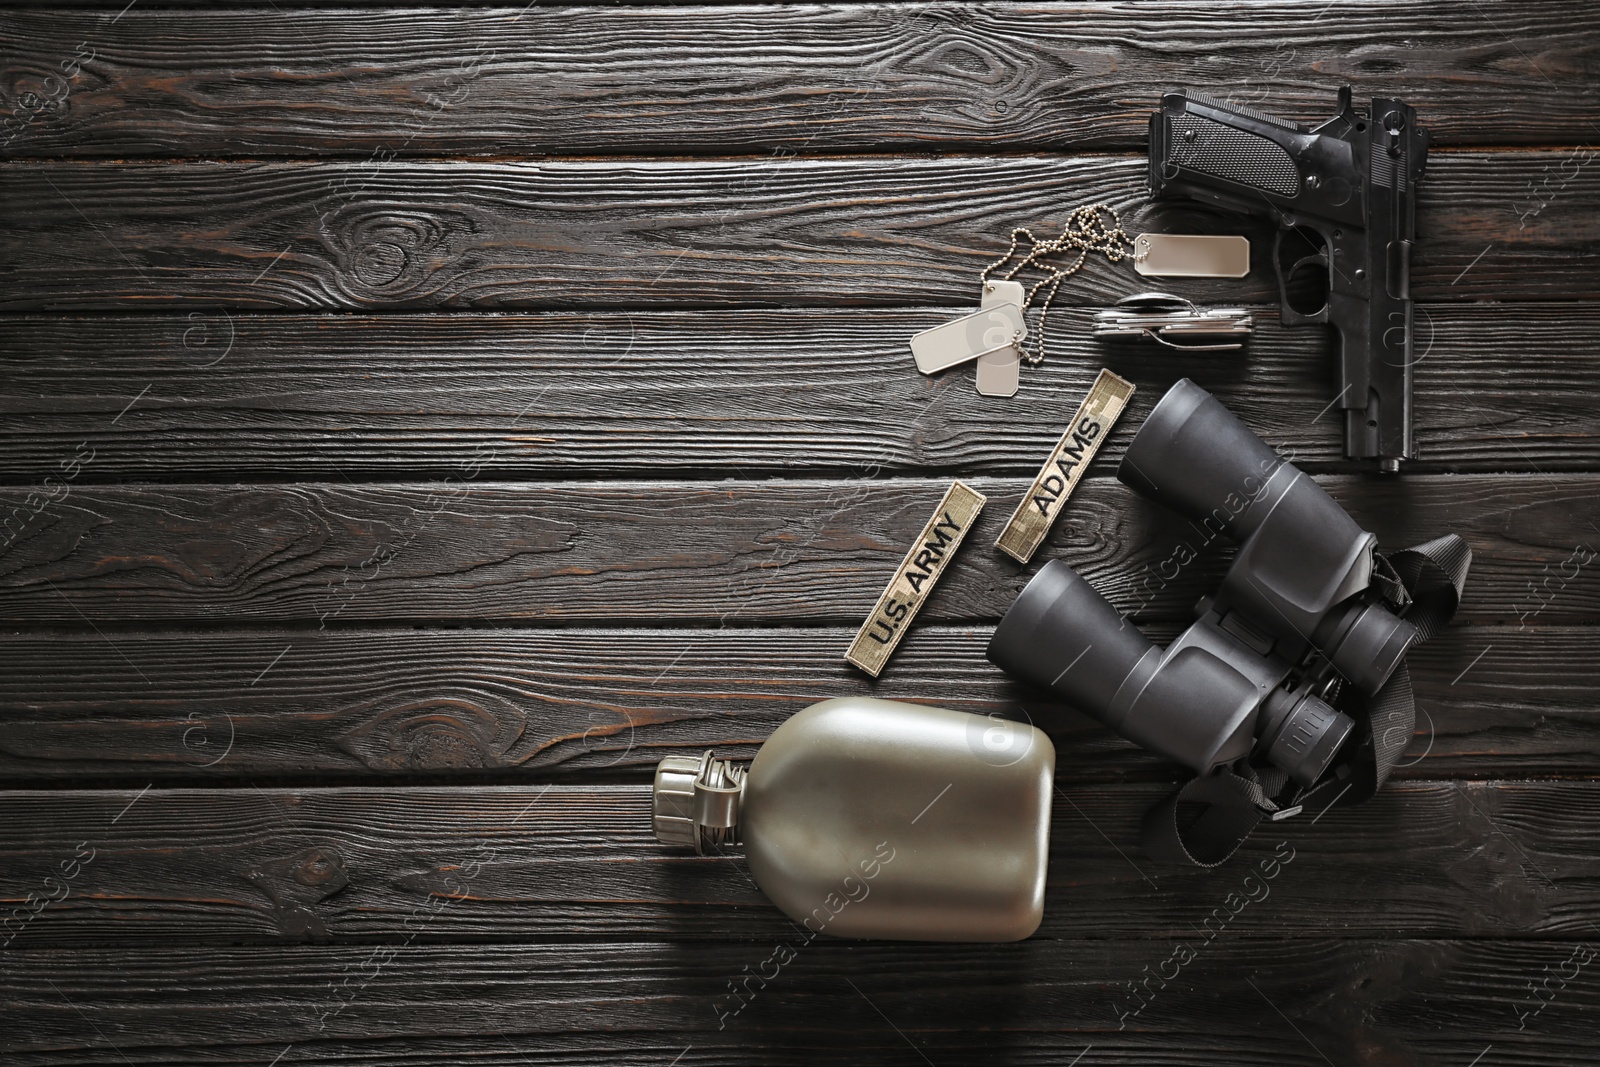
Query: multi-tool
1173	321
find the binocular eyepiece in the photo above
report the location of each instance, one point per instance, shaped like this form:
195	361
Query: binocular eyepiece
1234	684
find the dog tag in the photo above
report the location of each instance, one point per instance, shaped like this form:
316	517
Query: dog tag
1000	371
1190	255
1003	293
968	337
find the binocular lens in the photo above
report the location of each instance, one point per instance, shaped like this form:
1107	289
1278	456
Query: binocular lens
1062	635
1193	455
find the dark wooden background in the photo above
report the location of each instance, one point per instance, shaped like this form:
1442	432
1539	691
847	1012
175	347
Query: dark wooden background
417	422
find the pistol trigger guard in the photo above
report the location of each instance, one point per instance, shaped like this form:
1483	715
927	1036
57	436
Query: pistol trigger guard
1286	312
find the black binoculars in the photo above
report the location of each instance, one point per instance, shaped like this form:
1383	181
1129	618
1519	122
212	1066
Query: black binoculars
1248	677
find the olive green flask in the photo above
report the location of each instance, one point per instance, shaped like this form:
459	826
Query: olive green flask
876	818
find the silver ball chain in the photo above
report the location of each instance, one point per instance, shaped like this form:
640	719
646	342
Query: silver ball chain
1085	231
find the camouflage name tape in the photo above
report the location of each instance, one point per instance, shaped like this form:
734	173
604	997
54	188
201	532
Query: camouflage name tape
891	616
1060	473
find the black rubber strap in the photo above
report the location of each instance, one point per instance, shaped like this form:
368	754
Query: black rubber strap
1207	819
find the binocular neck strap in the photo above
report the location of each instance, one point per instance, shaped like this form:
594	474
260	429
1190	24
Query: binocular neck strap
1424	585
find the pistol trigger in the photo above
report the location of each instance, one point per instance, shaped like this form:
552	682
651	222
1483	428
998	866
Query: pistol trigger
1315	257
1277	267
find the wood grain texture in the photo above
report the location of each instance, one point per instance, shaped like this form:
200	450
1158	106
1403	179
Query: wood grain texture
884	230
1499	387
539	82
730	553
478	703
522	863
1405	1003
420	598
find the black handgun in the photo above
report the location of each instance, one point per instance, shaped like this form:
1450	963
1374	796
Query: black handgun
1349	180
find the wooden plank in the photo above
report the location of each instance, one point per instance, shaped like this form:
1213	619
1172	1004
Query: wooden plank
272	396
1406	1002
882	230
729	553
494	705
520	863
538	82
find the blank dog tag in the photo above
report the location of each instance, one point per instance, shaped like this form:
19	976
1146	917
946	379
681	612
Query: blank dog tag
1003	293
1189	255
1000	371
968	337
